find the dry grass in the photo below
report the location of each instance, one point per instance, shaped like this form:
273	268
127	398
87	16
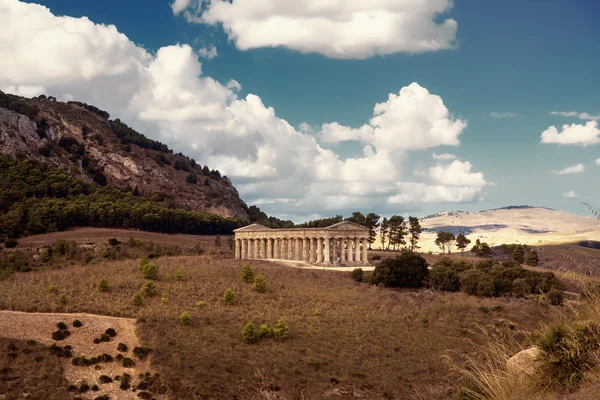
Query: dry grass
30	368
379	343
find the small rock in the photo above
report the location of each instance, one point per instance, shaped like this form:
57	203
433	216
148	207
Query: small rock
526	362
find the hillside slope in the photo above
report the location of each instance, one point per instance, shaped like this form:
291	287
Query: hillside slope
83	141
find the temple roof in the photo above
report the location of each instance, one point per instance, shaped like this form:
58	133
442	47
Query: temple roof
340	226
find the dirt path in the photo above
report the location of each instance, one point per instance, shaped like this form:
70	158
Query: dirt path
304	265
39	327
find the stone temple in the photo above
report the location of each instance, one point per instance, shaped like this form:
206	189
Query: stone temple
341	244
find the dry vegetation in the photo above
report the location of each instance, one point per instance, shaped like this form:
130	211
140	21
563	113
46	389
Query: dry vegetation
375	342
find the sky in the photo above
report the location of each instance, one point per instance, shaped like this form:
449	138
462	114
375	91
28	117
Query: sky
323	107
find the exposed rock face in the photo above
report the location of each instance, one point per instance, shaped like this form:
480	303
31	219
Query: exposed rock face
152	172
525	363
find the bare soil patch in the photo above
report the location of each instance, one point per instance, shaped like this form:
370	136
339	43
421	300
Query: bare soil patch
39	327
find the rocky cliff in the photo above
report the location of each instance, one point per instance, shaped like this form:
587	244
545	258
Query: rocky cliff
83	141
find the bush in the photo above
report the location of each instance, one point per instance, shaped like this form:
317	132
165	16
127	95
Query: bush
103	286
179	275
104	379
45	255
200	304
260	284
122	347
58	335
51	289
229	297
105	337
265	331
444	278
62	299
281	330
555	297
127	363
137	299
520	288
11	243
407	270
111	332
143	352
62	326
532	258
476	282
247	274
77	323
149	288
357	274
150	271
184	318
113	242
250	334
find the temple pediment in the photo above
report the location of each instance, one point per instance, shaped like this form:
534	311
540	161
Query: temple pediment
346	226
253	227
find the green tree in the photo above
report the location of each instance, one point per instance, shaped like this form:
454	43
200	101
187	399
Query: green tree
260	284
185	319
358	218
150	271
372	222
383	232
247	274
281	330
406	270
445	278
462	242
532	258
397	231
414	228
519	254
103	286
218	241
250	334
229	297
137	299
149	288
444	240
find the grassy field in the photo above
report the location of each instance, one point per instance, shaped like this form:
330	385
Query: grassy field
378	343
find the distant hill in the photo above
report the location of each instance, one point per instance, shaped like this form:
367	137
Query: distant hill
83	141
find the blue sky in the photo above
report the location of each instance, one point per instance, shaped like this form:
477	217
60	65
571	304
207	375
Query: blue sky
521	60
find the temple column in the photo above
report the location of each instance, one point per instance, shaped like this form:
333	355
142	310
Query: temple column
290	249
313	246
327	255
297	249
249	248
269	249
305	249
319	251
261	248
244	250
237	249
365	260
342	252
277	245
357	251
255	250
350	252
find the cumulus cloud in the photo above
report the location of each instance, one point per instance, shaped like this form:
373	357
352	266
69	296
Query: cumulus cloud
166	96
334	28
573	135
570	195
503	114
573	169
444	156
208	52
583	115
598	161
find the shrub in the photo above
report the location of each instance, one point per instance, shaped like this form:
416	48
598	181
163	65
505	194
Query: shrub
200	303
45	255
555	297
532	258
84	388
265	331
122	347
229	297
11	243
250	334
520	288
137	299
103	286
105	337
407	270
444	278
476	282
281	330
104	379
179	275
260	284
58	335
111	332
317	312
62	326
184	318
145	396
63	299
103	397
143	261
142	352
113	242
51	289
376	257
164	298
357	274
247	274
150	271
127	362
149	288
77	323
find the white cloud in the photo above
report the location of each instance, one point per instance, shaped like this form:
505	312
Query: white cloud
574	134
334	28
444	156
570	195
495	114
208	52
167	97
598	161
573	169
457	173
583	116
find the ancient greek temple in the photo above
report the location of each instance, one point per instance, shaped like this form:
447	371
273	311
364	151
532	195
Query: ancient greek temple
344	243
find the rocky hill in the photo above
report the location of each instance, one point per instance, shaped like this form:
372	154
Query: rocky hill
86	143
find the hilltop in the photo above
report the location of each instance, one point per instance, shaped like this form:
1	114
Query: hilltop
83	141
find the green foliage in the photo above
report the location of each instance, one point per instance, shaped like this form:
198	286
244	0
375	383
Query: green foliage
476	282
462	242
218	241
137	299
45	255
11	243
481	249
143	352
164	298
532	258
103	286
179	275
200	304
62	299
149	288
192	179
122	347
357	274
407	270
250	334
265	331
113	242
77	323
260	284
316	313
281	330
444	240
51	289
229	297
443	277
518	254
247	274
150	271
555	297
520	287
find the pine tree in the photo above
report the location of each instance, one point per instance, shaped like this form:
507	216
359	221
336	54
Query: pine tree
462	242
532	259
383	232
414	229
397	231
372	222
